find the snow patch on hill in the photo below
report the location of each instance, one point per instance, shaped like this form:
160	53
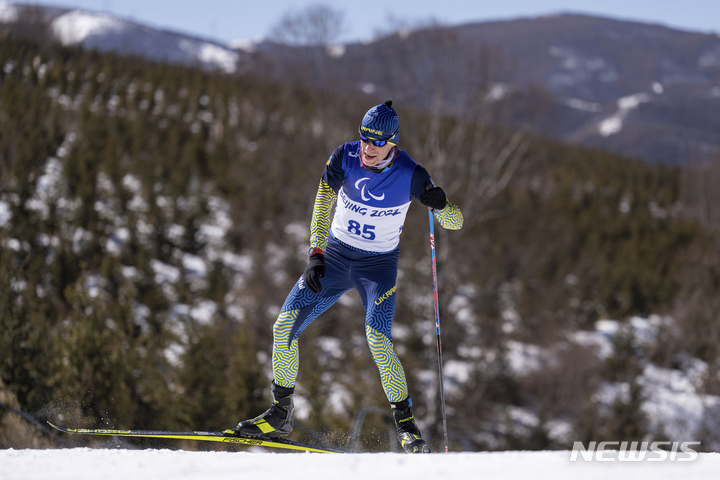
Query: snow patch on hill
74	27
8	12
108	33
614	123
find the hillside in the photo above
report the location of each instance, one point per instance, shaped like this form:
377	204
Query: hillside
639	90
153	217
643	91
95	30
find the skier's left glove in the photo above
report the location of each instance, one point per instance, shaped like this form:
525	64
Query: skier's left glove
433	197
314	272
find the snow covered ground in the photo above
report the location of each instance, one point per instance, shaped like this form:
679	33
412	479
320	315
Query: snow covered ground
85	463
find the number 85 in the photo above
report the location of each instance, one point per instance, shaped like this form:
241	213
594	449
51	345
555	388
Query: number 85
366	232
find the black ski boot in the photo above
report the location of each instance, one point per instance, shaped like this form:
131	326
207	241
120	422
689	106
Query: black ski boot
407	432
277	420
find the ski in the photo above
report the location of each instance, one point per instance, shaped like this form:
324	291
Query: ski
228	436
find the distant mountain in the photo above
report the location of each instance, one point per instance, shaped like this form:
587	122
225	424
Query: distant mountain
105	32
641	90
638	89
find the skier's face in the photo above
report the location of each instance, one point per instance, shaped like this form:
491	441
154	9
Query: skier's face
372	155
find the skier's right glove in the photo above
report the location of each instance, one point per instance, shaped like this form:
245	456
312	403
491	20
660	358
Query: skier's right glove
314	272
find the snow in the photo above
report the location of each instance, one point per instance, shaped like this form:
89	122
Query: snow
673	401
710	58
613	124
671	398
632	101
204	311
5	213
164	273
524	359
120	464
8	12
575	68
211	54
245	45
580	104
497	92
75	26
336	51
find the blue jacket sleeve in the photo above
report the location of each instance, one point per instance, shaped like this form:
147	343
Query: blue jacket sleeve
334	172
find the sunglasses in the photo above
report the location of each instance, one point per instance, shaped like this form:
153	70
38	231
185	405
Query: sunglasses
377	143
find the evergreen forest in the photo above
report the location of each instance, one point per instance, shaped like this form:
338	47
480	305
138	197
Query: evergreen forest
153	218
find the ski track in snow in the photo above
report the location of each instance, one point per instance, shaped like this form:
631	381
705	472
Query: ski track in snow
86	463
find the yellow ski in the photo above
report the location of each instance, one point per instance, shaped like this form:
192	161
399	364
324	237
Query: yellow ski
224	437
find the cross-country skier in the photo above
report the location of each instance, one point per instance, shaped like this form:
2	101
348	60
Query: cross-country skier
373	182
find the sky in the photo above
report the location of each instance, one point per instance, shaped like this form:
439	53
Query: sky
230	20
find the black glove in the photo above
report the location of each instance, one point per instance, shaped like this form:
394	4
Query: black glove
433	197
314	272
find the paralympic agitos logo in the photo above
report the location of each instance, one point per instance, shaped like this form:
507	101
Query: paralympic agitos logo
360	185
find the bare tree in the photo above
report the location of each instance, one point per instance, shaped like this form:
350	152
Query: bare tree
304	40
699	195
313	26
700	200
472	138
30	22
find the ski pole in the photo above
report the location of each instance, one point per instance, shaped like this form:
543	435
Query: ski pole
437	327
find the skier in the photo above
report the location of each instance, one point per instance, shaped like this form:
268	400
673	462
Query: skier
373	182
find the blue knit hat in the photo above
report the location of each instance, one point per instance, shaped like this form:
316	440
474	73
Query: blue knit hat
381	123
